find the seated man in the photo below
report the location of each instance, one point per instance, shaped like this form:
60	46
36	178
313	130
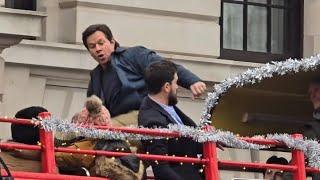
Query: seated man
313	127
158	110
275	174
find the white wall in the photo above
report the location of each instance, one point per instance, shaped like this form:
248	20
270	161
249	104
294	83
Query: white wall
55	89
51	24
311	28
182	29
54	74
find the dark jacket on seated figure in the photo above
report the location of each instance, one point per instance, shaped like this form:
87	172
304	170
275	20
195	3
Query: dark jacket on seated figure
151	115
27	134
312	128
24	160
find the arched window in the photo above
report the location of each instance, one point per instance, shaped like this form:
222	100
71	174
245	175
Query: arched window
261	30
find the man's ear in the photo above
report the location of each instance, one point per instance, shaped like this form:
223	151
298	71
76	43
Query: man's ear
166	87
113	43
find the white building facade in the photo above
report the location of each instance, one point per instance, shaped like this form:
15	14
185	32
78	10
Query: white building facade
44	63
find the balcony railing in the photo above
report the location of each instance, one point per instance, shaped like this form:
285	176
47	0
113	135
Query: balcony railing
209	161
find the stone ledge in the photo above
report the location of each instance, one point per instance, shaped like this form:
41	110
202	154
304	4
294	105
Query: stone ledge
70	56
188	32
23	12
21	23
141	8
208	59
50	54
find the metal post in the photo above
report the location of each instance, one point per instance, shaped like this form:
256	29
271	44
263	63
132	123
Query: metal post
298	160
210	154
47	154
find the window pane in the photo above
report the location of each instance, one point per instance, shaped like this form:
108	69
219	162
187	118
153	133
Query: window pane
277	30
233	26
257	29
258	1
278	2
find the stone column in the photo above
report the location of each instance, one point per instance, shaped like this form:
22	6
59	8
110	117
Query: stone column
1	84
5	42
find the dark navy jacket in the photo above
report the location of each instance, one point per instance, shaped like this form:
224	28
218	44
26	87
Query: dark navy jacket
152	115
130	64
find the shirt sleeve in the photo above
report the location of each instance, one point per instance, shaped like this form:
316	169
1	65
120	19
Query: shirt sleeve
146	57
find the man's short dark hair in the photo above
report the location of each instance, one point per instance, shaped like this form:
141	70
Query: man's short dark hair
24	133
276	160
159	73
94	28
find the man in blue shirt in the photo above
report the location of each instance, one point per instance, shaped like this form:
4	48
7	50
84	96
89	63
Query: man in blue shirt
158	110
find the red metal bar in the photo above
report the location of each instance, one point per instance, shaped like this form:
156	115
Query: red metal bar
47	156
143	131
18	121
106	153
312	170
210	154
48	176
298	160
141	156
11	146
261	141
211	167
224	163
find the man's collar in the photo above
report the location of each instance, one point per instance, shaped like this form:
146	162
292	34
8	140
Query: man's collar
161	104
119	50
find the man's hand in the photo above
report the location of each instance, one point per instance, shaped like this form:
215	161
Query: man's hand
197	89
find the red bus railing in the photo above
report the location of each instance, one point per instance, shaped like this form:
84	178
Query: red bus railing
209	160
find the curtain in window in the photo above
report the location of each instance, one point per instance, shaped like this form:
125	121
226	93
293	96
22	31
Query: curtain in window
233	26
257	29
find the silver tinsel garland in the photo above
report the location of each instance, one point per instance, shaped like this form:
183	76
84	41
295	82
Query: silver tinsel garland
197	134
252	76
311	148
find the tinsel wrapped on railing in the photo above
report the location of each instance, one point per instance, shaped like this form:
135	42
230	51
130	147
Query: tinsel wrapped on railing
311	148
252	76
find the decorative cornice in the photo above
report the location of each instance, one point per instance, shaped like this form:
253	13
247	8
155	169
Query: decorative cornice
23	12
154	11
81	54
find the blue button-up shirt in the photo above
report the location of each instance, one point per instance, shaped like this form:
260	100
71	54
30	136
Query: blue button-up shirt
170	110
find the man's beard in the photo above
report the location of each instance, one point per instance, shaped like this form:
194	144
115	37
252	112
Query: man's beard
172	99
